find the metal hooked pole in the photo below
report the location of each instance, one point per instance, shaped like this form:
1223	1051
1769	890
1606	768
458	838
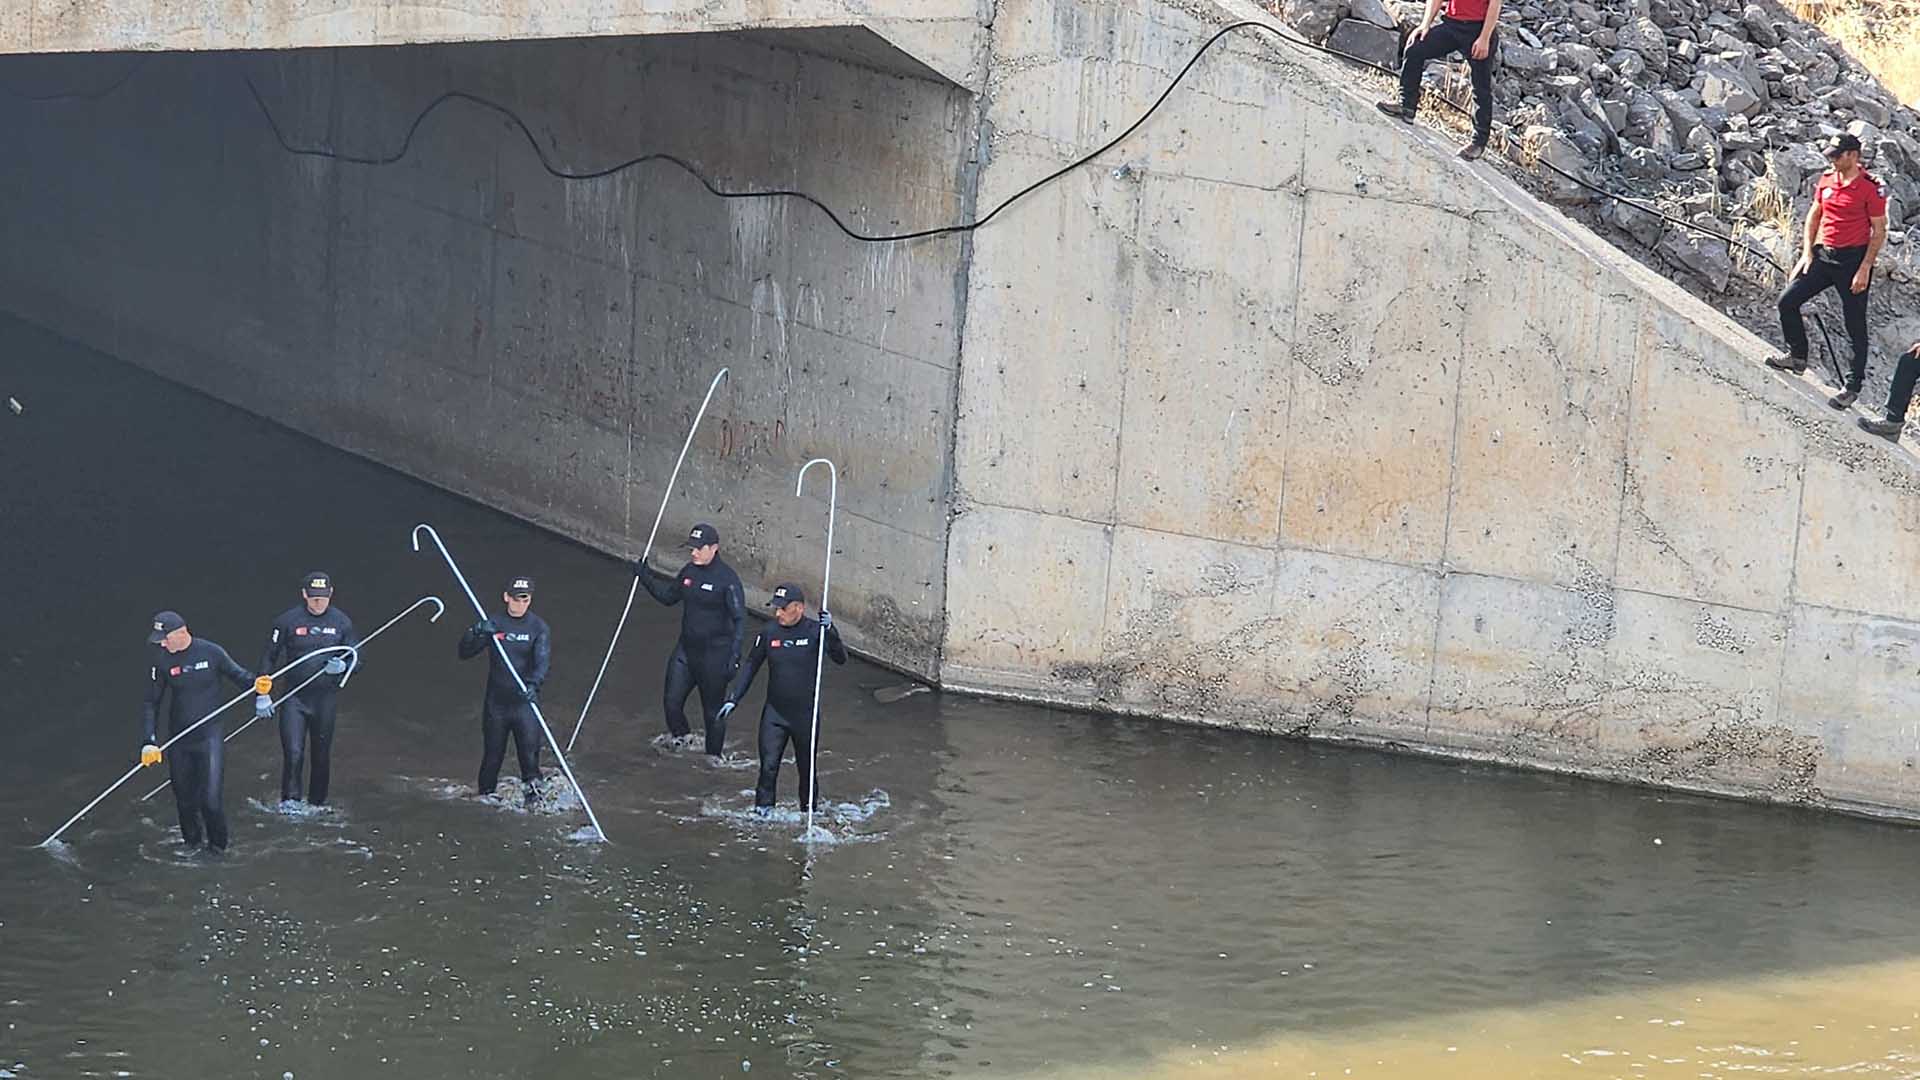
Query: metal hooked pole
439	609
634	588
352	652
820	654
558	754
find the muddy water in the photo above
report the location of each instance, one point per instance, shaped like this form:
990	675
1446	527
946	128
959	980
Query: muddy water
1012	891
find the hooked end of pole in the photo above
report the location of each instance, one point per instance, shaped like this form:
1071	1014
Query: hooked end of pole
416	534
439	609
353	664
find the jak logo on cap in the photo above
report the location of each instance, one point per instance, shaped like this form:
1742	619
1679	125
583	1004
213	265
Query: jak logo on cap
164	623
317	583
520	586
702	535
787	593
1842	143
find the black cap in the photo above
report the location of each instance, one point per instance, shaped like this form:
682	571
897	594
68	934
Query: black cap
1843	143
317	583
785	594
164	623
702	535
520	584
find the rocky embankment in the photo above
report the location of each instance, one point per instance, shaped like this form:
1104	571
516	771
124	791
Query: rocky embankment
1709	109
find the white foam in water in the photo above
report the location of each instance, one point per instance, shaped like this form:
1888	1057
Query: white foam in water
843	815
299	811
63	851
556	795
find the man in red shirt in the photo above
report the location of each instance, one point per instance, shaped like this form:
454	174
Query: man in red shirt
1845	229
1467	29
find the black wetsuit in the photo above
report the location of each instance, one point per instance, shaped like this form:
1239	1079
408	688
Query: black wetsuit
307	715
505	712
712	630
791	654
191	679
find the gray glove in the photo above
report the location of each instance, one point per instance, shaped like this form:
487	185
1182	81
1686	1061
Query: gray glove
336	664
263	705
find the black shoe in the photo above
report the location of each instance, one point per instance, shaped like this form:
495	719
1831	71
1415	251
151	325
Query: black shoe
1886	429
1395	110
1844	399
1473	151
1795	364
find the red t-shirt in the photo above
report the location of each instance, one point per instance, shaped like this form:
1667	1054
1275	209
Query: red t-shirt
1467	10
1846	208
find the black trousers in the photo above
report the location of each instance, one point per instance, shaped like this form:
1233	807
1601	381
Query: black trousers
196	766
777	729
1905	374
706	670
306	735
1452	36
499	719
1833	268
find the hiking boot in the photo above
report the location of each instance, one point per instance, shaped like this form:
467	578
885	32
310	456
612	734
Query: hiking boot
1844	399
1886	429
1473	151
1795	364
1395	110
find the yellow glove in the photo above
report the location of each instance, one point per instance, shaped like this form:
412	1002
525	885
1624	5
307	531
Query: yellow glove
149	755
263	685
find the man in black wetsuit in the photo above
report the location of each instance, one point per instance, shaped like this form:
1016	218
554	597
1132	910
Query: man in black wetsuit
308	714
790	648
187	671
506	710
712	630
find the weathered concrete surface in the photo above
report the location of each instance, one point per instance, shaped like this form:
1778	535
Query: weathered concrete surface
1277	416
1296	423
946	37
539	344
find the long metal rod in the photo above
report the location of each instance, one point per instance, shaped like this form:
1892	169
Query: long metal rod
634	587
438	610
350	650
558	754
820	653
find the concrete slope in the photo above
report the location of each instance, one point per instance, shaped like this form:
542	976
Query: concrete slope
1283	418
947	35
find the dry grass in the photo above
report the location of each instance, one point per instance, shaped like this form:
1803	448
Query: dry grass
1884	35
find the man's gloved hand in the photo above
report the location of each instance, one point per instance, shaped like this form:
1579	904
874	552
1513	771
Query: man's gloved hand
531	695
262	705
336	664
826	619
484	628
639	568
149	755
726	707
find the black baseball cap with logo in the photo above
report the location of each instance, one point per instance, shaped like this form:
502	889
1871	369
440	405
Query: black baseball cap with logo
164	623
1843	143
520	585
317	583
702	535
785	594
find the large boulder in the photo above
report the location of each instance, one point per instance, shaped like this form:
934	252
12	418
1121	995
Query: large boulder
1524	59
1642	35
1705	257
1373	11
1759	28
1726	87
1553	149
1367	41
1315	19
1793	168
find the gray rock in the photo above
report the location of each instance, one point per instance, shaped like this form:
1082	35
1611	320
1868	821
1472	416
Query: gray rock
1759	28
1644	37
1372	11
1315	19
1578	57
1585	13
1705	257
1643	163
1726	87
1552	148
1737	140
1868	105
1638	223
1629	65
1821	71
1684	115
1793	168
1688	161
1525	59
1615	111
1797	89
1687	50
1836	97
1867	134
1365	40
1606	38
1901	151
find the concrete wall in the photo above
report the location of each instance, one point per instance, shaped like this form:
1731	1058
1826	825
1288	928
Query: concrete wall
1277	417
1290	421
538	344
